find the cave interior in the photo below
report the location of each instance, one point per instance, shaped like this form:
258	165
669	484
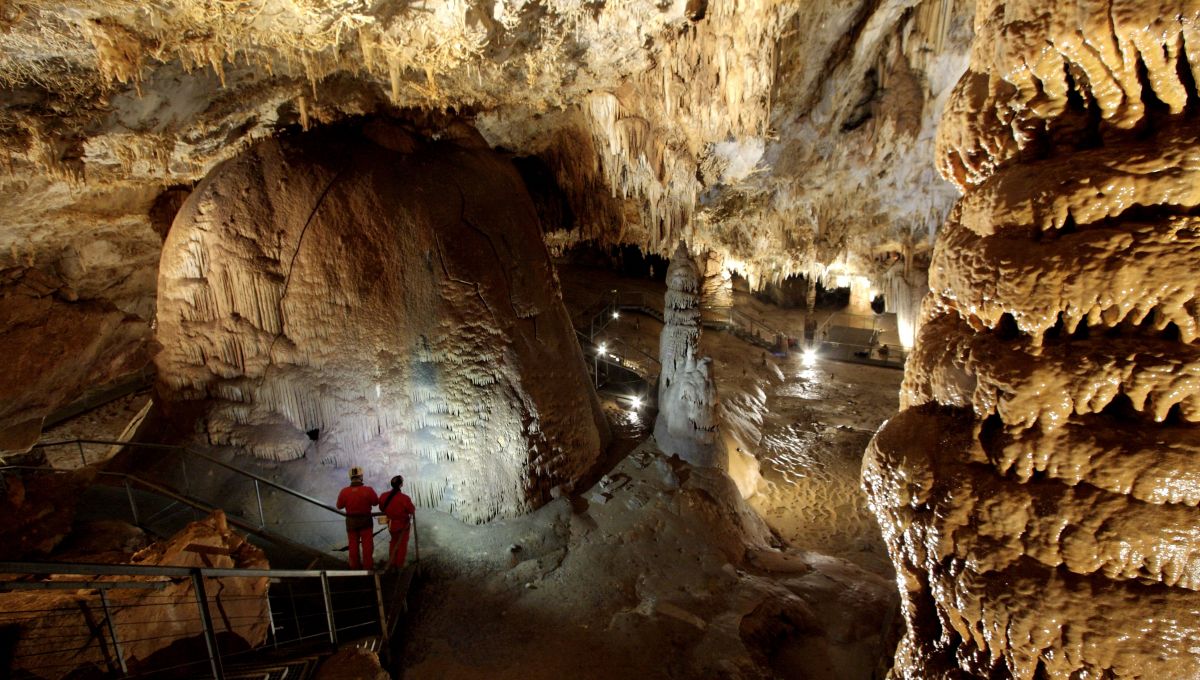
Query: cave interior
709	339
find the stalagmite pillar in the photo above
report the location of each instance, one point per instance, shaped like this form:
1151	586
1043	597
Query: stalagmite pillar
902	296
716	293
687	399
1038	490
860	295
810	294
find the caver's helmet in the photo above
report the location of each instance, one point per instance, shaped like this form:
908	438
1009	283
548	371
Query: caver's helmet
356	473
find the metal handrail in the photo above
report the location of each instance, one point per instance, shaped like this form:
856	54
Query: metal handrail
232	468
197	504
215	659
735	315
96	569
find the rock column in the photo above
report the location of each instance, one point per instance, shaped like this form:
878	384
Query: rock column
686	423
1038	490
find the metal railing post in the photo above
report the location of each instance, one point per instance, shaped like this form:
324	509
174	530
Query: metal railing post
132	504
295	612
329	608
271	623
383	622
262	519
187	483
82	458
112	632
210	634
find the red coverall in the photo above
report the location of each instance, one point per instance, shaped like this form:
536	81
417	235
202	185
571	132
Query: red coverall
399	512
358	500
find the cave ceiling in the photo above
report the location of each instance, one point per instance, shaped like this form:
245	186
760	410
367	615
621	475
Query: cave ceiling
789	137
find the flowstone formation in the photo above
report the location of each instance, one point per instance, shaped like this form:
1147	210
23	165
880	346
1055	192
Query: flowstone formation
390	297
1038	491
687	396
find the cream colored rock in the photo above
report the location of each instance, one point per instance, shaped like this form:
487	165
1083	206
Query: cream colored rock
686	424
392	293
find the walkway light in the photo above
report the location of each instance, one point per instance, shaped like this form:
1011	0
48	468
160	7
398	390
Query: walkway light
601	349
635	402
810	356
616	314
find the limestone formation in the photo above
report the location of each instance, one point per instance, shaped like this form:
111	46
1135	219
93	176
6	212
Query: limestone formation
781	135
1037	491
388	296
687	398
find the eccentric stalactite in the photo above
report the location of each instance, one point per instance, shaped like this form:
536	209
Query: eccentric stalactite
1037	491
392	293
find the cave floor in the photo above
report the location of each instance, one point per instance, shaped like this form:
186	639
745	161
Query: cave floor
658	571
807	426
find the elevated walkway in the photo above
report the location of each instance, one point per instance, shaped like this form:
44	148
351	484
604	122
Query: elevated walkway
861	339
617	354
304	623
140	621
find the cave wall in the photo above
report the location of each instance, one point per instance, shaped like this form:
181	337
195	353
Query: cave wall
56	345
390	293
1038	490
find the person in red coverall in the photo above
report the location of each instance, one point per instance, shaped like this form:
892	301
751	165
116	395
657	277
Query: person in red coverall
400	510
357	500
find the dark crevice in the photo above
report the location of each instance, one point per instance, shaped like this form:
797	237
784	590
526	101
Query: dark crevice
1007	329
1136	215
1183	71
1156	110
1058	330
1175	417
1170	333
1121	408
1082	330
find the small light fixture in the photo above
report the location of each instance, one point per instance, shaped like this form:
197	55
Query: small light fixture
616	314
810	356
601	349
635	402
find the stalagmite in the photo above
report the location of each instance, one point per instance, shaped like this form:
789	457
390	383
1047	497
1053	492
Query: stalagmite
903	292
687	399
390	295
716	296
1036	492
861	294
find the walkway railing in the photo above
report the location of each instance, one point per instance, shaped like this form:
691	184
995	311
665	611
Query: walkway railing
119	618
740	324
257	504
142	516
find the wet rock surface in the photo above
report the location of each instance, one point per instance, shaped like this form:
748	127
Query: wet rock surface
1035	492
